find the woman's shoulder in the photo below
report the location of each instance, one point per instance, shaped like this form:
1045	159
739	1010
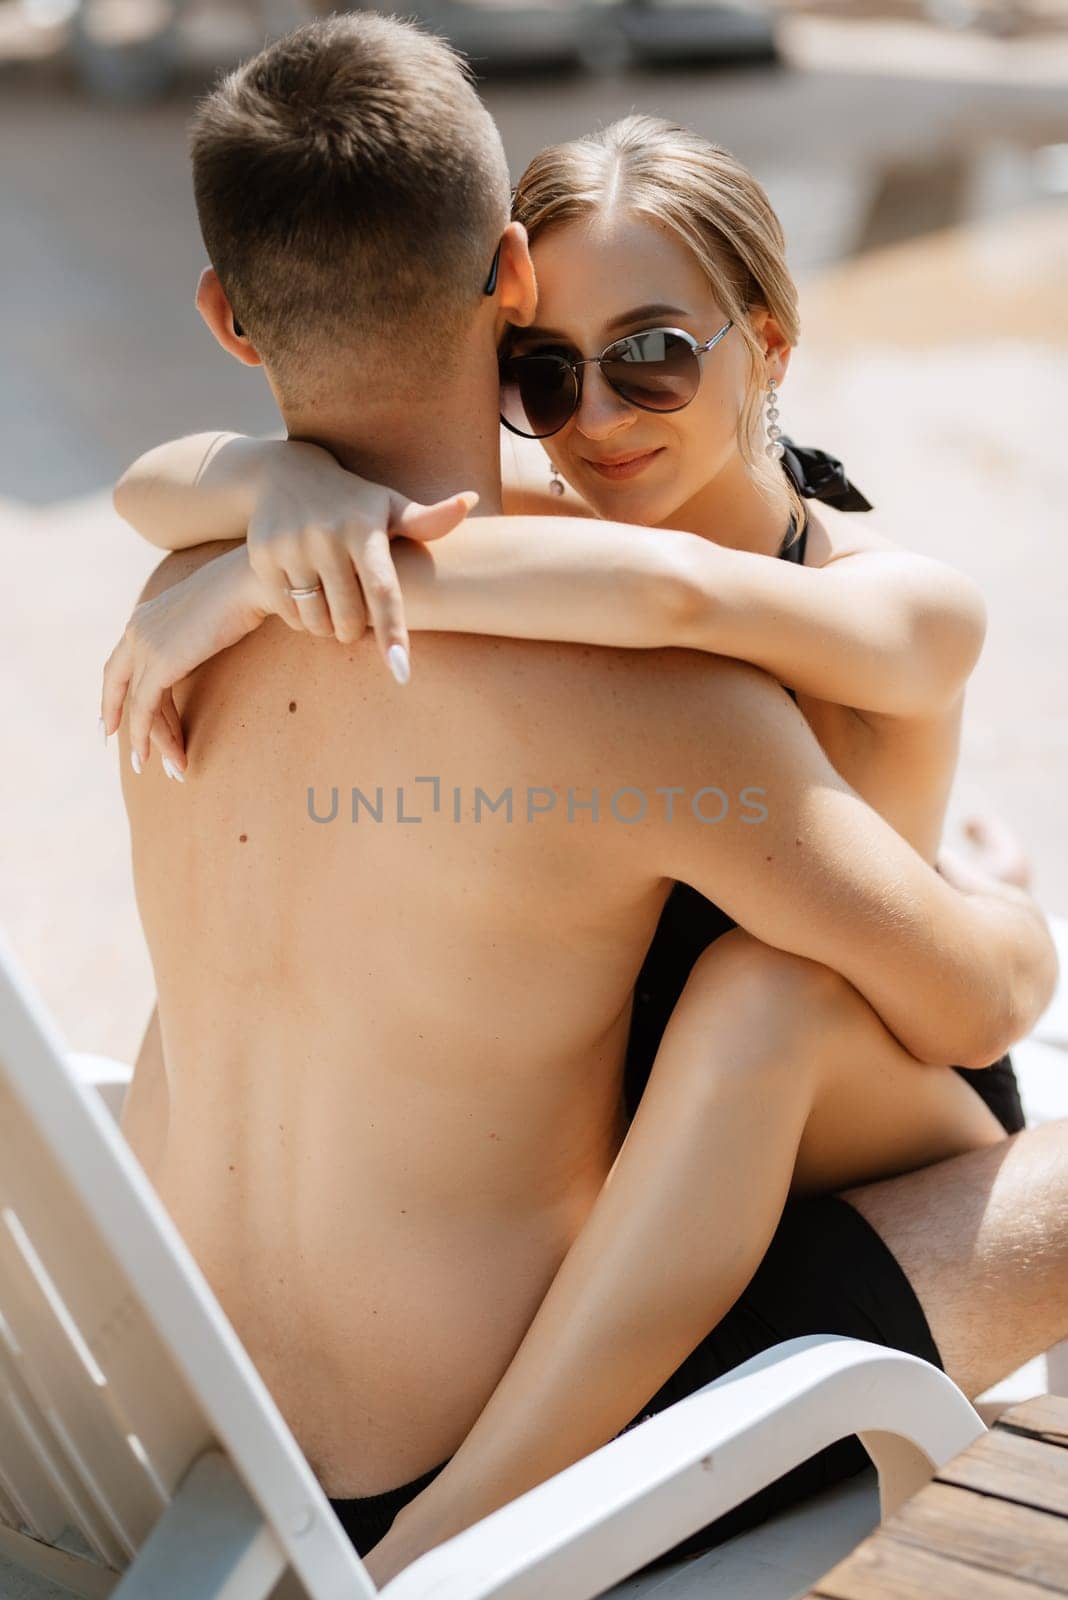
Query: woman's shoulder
834	535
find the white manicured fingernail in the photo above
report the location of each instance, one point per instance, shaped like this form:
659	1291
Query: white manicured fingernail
399	664
102	725
135	761
171	770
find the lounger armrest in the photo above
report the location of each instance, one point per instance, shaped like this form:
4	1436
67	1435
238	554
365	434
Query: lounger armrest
109	1078
602	1518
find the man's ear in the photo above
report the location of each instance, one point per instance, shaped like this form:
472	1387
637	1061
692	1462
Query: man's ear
517	288
214	307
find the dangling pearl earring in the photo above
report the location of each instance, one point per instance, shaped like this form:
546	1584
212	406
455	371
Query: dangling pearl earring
775	449
556	483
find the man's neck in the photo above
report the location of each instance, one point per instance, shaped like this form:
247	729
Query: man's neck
426	448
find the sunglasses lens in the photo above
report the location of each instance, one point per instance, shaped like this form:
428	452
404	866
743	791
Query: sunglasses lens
539	394
656	370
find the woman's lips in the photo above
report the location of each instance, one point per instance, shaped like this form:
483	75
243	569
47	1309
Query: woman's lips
624	466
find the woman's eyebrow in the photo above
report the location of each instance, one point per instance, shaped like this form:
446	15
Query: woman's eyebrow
643	313
639	314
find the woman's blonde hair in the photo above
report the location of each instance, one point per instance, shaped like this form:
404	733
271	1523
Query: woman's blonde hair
656	169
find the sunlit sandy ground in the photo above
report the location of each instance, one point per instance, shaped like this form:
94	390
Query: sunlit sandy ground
935	368
939	370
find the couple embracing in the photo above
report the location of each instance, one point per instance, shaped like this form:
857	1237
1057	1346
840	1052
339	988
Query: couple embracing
497	1128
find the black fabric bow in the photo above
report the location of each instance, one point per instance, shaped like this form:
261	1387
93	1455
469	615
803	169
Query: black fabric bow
819	476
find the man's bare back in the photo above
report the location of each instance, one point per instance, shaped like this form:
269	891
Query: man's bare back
393	1049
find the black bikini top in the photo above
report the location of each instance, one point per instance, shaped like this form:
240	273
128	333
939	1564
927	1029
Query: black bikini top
817	476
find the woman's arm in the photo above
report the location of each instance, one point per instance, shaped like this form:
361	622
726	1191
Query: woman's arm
577	580
292	500
882	630
478	587
192	490
206	486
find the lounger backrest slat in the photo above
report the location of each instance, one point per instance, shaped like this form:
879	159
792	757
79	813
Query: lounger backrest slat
91	1340
41	1463
87	1431
119	1372
28	1469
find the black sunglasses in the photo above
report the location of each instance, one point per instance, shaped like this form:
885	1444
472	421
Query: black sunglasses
657	370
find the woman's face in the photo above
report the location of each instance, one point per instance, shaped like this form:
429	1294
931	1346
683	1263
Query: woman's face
599	279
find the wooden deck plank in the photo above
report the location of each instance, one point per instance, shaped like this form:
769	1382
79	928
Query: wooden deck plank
1013	1467
987	1533
883	1568
992	1526
1045	1417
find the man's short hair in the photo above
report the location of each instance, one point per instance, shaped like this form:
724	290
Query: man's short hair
349	184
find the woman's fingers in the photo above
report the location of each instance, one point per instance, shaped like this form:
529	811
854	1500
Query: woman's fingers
171	743
273	564
344	597
143	710
153	716
117	672
384	602
282	603
351	577
311	609
999	850
167	748
434	522
155	725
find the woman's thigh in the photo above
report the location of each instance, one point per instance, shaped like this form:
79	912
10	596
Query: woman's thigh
779	1022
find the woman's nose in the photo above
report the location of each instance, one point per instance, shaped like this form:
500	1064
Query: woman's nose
602	412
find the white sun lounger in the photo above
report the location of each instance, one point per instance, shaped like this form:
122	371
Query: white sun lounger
142	1457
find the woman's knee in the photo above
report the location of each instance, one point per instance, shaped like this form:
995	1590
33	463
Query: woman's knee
770	982
765	1016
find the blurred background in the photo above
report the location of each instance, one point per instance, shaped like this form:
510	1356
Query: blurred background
917	153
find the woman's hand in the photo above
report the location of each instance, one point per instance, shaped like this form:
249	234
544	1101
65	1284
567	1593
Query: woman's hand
421	1525
317	526
978	876
165	638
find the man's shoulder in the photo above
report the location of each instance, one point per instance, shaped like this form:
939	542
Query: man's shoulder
664	700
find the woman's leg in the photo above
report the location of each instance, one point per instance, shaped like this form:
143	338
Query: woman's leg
799	1083
742	1091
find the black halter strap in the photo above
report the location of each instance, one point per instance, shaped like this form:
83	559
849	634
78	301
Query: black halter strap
816	475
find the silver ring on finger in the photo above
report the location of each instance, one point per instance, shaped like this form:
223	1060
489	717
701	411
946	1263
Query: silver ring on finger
304	592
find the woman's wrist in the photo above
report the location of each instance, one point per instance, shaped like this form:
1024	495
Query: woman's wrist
227	484
246	588
239	471
253	467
